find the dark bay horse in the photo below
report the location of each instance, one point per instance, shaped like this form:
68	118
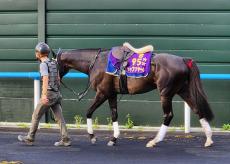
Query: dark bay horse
170	75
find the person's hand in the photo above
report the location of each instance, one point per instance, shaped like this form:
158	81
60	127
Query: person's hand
44	99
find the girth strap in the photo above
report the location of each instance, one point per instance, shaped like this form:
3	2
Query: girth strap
123	78
123	84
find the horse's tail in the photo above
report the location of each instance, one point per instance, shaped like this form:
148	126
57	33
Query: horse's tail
196	91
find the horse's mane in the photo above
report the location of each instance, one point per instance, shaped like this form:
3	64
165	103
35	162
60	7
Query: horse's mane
88	50
84	54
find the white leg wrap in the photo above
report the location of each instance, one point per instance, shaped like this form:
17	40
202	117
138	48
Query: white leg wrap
159	137
89	125
206	127
161	134
208	132
116	129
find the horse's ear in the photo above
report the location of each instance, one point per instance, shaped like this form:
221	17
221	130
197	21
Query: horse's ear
54	54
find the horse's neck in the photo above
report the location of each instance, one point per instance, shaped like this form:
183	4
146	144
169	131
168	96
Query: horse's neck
79	60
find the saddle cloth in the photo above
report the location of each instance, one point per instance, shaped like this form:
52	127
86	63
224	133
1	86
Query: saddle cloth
134	65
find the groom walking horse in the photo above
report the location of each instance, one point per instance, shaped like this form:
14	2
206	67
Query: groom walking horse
167	73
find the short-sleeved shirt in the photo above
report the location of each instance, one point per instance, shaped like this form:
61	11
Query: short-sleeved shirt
44	69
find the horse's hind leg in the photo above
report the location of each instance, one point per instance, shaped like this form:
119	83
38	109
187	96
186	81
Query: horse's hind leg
204	123
99	99
168	115
113	108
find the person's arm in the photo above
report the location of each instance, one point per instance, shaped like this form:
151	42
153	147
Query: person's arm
142	50
45	80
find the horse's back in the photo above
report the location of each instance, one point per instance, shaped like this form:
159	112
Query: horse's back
170	62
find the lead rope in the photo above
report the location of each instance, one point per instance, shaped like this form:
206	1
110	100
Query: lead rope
70	89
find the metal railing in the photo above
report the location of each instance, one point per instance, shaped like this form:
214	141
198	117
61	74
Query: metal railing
36	77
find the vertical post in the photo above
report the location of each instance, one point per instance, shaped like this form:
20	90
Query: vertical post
36	92
187	118
42	31
41	20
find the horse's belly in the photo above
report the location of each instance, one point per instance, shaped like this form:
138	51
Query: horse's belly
137	85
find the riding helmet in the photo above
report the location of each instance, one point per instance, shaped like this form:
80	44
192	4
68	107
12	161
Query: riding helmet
43	48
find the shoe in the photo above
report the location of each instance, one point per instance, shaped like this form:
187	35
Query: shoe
63	143
26	139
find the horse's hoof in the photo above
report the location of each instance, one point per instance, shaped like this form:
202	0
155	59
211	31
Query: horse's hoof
151	144
111	143
93	140
208	143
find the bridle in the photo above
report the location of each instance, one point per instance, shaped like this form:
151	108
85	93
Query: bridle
83	93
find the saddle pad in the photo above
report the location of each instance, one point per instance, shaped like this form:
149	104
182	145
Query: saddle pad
138	65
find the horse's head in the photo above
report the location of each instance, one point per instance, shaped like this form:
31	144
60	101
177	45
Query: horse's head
62	67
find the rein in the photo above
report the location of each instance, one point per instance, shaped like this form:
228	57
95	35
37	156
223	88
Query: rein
83	93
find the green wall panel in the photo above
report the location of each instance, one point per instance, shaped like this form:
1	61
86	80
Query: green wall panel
18	5
214	68
19	66
17	54
17	43
139	17
20	24
18	18
138	5
19	29
138	29
160	43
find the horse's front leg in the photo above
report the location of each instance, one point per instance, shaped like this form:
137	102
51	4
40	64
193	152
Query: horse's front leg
168	115
113	107
99	99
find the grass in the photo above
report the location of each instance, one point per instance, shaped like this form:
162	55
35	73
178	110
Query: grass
11	162
78	121
46	125
96	123
182	127
129	123
226	127
109	121
22	125
140	128
70	126
172	129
